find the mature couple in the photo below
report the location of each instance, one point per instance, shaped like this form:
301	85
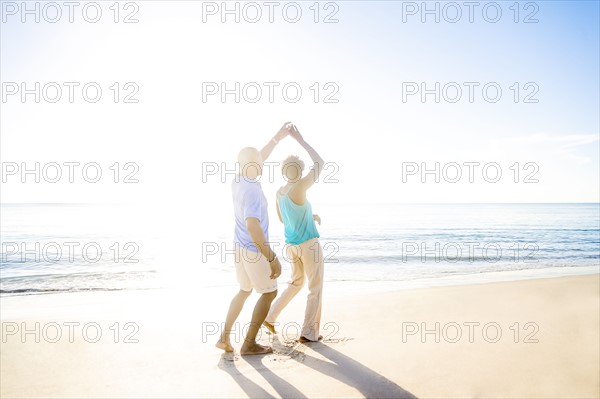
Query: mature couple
257	265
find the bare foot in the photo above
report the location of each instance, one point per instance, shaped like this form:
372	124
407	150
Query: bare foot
226	346
304	340
270	327
252	348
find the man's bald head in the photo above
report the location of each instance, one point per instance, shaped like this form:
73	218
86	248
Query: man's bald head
250	162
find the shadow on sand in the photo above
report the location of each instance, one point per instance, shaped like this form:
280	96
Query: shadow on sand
252	389
340	367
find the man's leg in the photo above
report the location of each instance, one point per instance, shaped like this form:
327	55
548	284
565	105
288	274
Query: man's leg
259	272
237	303
294	286
250	347
312	258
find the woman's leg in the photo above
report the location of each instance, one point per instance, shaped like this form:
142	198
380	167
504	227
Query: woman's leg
312	259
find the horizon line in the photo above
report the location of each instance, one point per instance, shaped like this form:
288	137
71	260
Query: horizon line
328	203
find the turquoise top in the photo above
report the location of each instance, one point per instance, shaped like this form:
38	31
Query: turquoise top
297	220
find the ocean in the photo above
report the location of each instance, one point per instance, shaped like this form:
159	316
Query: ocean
50	248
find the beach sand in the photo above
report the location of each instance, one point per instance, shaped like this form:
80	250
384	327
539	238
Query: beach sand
373	346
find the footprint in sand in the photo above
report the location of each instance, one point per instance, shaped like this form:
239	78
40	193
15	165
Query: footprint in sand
289	349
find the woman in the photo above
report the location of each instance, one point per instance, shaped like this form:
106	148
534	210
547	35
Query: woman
302	238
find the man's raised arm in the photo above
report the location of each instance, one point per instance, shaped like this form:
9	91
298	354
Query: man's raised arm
268	148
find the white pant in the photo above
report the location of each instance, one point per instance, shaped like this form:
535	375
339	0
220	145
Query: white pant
253	271
306	258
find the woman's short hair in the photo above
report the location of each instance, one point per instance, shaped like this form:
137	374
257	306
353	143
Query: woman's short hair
292	167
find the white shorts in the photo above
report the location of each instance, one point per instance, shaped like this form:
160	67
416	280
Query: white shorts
253	271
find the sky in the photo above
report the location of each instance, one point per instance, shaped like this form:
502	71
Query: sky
376	138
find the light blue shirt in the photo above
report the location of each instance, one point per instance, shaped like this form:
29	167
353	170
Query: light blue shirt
248	201
298	221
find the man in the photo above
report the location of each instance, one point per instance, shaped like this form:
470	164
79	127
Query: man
256	264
